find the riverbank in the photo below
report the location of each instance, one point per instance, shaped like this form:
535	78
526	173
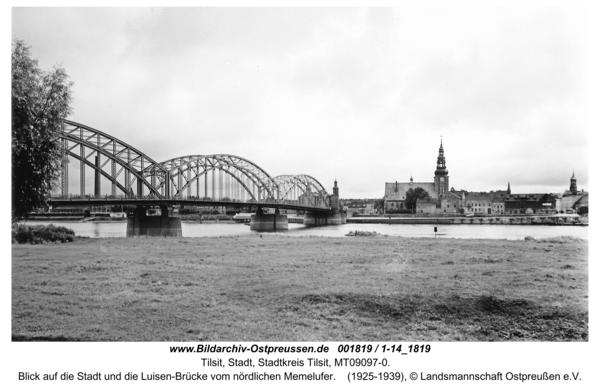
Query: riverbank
55	217
276	287
574	220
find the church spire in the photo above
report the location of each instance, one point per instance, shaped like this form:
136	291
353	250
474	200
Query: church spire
508	189
441	160
573	188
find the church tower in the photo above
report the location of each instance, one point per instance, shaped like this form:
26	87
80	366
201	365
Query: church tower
335	198
441	179
573	188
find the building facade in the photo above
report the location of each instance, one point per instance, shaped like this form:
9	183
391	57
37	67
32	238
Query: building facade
571	200
530	204
490	203
395	193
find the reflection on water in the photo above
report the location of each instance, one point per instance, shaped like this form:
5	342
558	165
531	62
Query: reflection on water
192	229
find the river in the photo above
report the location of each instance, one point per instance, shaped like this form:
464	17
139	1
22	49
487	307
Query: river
194	229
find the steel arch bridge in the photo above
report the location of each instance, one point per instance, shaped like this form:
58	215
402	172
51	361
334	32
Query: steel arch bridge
293	187
132	175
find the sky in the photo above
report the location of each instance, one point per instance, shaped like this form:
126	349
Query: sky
361	95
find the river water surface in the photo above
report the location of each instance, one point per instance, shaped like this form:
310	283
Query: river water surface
194	229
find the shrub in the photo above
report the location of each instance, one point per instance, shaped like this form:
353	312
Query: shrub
359	233
40	234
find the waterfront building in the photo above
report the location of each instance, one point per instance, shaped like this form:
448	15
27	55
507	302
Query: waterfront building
582	205
426	206
571	199
485	202
362	206
451	203
530	204
395	193
498	204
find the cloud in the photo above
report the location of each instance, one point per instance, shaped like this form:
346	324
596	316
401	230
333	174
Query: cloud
361	94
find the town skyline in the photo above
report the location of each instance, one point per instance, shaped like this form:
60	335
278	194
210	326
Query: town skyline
358	95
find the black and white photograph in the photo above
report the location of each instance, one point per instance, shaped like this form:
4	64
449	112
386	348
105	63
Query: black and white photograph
385	179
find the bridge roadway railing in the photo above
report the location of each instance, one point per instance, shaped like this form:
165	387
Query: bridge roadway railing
108	199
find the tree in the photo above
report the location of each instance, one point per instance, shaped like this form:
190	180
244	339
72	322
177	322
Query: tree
40	100
378	205
412	195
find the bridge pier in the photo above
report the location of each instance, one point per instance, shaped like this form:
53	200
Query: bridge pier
141	224
261	222
315	218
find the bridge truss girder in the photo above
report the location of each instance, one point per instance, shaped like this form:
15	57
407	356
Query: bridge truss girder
302	189
252	181
95	144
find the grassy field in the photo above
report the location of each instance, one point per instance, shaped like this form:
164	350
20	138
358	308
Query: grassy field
274	287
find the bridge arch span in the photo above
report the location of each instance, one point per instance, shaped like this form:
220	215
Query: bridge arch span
230	176
301	189
119	162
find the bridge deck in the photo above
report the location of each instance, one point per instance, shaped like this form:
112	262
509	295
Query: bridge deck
173	202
